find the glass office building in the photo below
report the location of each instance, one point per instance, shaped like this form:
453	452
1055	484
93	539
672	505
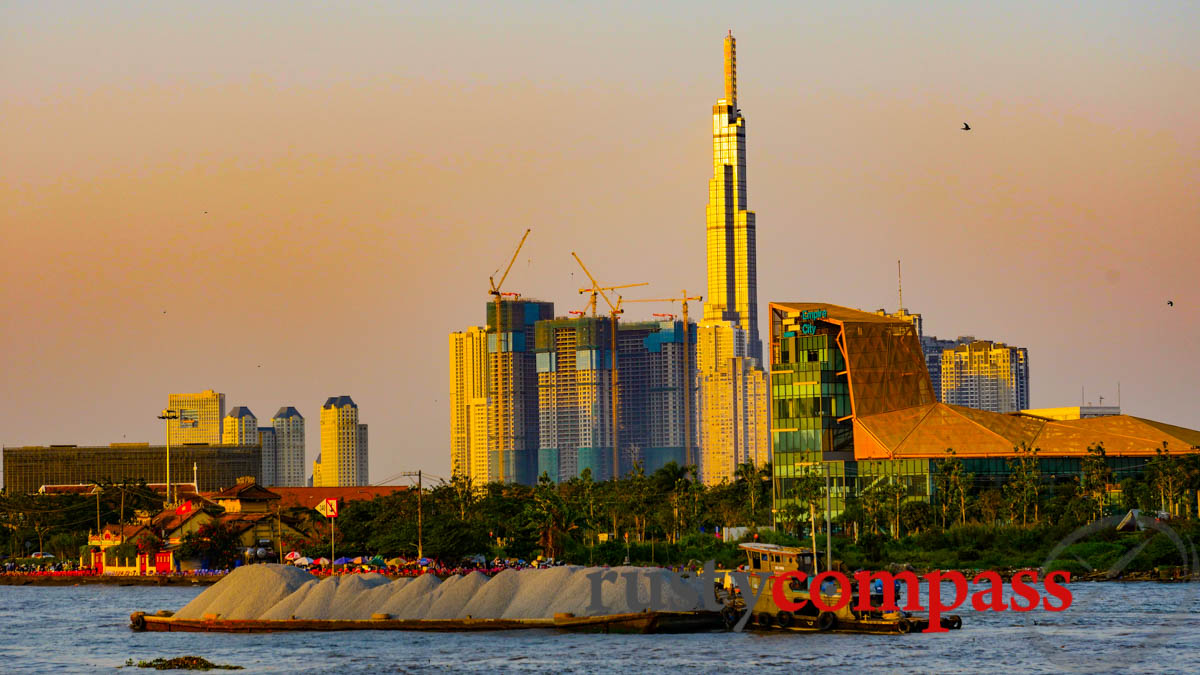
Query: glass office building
851	397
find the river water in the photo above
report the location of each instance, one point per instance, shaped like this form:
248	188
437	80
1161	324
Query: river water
1133	627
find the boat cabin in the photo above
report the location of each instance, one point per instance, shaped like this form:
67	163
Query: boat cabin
771	559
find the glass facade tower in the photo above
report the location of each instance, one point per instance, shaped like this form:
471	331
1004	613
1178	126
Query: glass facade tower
732	275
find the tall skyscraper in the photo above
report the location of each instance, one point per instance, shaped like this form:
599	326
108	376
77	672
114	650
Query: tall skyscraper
343	457
289	447
732	258
200	417
986	375
240	427
469	405
731	386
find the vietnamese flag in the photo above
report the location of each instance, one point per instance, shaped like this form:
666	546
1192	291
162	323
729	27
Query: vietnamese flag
184	508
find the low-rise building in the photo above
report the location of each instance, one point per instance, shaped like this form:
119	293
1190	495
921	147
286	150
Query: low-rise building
211	467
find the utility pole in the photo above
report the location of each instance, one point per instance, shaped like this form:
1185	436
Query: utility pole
828	532
420	510
166	415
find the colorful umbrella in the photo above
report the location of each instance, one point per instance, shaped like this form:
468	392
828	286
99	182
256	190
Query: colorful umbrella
303	561
292	556
358	560
395	562
340	561
322	561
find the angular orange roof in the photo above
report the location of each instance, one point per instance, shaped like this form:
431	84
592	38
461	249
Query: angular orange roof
836	313
926	431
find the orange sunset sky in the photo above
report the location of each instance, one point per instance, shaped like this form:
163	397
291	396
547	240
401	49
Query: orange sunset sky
316	194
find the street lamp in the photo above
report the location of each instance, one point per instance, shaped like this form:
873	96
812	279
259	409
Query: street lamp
168	415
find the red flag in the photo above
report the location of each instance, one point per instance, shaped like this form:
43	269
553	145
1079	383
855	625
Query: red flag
184	508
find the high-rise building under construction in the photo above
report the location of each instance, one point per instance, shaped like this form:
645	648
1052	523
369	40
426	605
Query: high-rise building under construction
512	388
574	364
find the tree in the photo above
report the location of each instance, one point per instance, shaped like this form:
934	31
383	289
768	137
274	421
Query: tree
916	516
463	488
1024	481
809	490
550	516
1167	475
752	479
214	543
952	482
1094	479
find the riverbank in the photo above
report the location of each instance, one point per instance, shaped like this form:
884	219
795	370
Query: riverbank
107	580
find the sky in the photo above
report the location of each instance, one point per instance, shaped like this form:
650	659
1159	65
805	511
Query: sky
289	201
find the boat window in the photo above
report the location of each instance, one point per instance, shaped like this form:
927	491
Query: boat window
754	559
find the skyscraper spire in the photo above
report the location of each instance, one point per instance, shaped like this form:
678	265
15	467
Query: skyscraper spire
731	70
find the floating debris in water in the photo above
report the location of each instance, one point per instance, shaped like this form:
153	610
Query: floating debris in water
182	663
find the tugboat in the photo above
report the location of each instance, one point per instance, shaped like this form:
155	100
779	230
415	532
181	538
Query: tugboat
766	561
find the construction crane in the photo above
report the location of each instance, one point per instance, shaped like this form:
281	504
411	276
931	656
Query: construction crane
591	306
687	371
501	393
614	312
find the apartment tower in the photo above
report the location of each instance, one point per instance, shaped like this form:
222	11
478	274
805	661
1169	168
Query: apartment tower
199	420
289	447
469	405
343	457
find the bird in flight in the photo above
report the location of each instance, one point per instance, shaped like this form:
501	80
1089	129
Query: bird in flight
1170	303
965	127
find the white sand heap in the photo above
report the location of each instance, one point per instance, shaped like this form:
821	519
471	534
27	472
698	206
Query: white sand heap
247	592
278	592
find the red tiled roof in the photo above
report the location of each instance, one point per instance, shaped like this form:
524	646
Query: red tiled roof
309	497
250	492
81	489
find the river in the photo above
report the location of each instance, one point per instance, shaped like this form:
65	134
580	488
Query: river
1128	627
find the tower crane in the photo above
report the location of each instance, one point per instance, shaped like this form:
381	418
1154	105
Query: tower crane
687	371
614	312
502	395
591	306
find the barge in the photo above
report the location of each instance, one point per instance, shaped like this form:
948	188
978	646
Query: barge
638	622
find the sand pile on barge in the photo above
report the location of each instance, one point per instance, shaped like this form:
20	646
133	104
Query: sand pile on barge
256	589
278	592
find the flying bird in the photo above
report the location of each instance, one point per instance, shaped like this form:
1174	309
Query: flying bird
1170	303
965	127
